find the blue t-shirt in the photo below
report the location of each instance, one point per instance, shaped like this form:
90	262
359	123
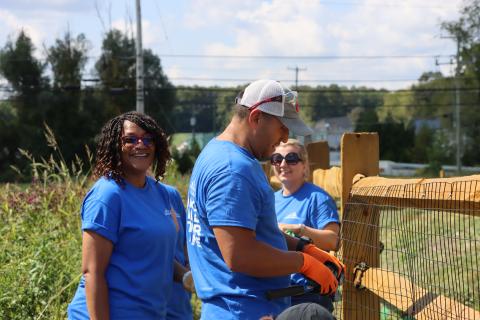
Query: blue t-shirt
139	224
229	188
309	205
178	306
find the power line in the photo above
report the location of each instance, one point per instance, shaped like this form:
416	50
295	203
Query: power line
271	57
383	4
305	57
290	80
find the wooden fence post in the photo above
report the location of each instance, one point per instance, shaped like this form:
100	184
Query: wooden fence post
360	235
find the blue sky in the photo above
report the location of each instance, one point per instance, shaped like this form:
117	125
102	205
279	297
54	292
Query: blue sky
366	33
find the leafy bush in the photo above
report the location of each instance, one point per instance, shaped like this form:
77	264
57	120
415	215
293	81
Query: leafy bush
185	159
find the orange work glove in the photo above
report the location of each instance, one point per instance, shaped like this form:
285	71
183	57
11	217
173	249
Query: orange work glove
318	272
325	258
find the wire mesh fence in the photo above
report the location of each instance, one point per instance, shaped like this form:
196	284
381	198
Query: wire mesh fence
412	251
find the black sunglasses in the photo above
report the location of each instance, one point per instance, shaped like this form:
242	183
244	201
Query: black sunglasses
291	158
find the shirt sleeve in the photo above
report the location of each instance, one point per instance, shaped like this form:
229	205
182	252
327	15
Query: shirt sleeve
323	211
232	201
101	218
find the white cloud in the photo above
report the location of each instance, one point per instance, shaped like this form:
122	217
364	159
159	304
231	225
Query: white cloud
202	13
277	28
10	26
47	5
151	33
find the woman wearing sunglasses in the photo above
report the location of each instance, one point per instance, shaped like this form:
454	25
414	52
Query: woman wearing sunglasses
303	208
128	231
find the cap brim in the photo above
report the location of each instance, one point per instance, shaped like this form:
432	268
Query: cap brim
296	126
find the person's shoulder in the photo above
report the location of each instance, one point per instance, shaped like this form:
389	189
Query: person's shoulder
105	190
225	158
106	185
278	193
171	190
316	191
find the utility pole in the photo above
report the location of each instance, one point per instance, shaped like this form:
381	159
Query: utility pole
139	63
456	103
306	139
296	69
457	108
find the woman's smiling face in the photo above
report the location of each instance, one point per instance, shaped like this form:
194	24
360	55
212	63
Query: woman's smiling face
137	154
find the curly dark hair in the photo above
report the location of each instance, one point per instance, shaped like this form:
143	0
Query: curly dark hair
108	157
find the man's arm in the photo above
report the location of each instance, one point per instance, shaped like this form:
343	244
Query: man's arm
178	271
242	252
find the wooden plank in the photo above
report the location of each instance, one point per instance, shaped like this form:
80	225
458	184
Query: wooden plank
459	193
360	234
443	308
360	155
329	180
413	300
318	156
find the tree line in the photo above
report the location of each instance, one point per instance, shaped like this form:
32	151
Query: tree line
57	92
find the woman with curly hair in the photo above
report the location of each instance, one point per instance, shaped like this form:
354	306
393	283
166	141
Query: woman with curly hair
129	234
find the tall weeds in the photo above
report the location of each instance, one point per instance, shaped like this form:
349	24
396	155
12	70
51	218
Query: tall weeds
40	236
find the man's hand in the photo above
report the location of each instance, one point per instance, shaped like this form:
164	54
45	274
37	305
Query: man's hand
318	272
325	258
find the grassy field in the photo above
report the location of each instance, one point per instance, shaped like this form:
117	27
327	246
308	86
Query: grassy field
437	250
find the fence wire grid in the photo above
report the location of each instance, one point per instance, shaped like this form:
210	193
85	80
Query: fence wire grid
412	252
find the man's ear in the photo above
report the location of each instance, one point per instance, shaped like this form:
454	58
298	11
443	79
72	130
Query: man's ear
254	118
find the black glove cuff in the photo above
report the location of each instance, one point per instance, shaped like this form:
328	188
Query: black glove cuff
302	242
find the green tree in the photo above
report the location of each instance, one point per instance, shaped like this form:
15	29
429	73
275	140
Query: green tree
19	66
66	116
67	59
117	70
396	139
466	32
24	73
8	140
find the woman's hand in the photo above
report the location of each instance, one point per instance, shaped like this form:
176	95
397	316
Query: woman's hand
188	283
297	229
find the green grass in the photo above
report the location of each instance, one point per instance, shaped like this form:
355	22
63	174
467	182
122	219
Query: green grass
437	250
40	254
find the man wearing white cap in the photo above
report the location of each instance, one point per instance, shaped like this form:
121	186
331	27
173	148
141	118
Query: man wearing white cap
237	253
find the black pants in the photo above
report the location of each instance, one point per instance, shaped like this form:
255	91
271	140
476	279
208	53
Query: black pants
305	311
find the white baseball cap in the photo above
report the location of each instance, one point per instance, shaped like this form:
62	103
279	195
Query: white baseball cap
272	97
